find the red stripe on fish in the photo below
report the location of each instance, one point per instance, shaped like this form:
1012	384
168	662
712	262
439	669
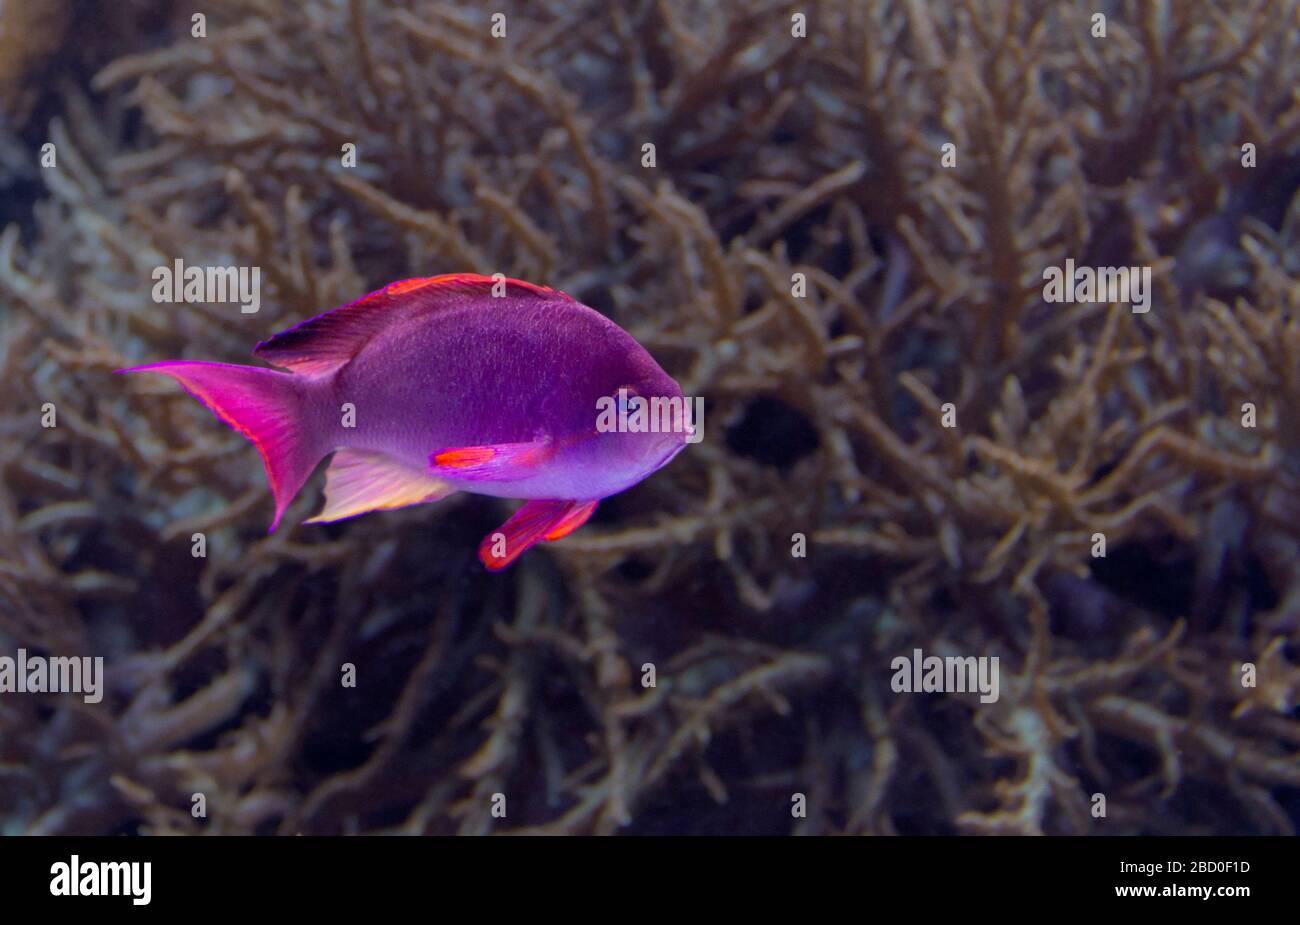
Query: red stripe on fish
406	285
572	521
470	280
469	456
500	462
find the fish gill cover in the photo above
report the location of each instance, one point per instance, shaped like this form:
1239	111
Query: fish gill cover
866	234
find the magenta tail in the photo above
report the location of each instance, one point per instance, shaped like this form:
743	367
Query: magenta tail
266	406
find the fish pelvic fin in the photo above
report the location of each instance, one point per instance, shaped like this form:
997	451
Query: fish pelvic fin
535	522
577	515
266	406
360	481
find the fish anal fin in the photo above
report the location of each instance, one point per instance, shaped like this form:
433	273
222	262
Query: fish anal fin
534	522
328	341
360	481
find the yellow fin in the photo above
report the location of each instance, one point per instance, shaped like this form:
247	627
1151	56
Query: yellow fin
359	481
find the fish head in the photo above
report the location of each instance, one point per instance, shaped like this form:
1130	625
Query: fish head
641	421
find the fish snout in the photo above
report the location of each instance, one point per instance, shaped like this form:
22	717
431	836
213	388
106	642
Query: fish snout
672	444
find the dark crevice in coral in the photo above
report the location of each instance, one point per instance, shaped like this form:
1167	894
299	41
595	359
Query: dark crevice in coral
773	433
1158	578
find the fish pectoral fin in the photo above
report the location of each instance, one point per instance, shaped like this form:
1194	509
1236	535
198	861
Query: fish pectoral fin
360	481
535	522
500	462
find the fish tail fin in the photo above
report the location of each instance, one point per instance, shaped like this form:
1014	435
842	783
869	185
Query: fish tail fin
266	406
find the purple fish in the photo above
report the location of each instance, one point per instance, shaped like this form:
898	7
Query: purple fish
431	386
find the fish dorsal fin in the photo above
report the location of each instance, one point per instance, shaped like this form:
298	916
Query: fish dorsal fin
326	342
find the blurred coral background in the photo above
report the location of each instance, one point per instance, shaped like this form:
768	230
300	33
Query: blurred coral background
774	155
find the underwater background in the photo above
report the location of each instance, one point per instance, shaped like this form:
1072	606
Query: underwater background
831	519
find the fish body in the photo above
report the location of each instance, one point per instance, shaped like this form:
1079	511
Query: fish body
436	385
